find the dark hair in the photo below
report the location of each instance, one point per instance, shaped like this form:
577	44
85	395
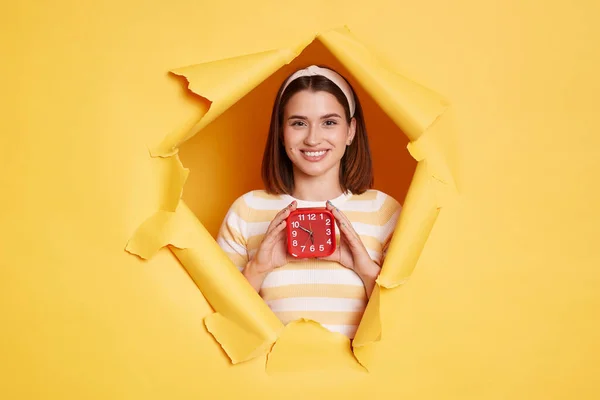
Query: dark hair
356	169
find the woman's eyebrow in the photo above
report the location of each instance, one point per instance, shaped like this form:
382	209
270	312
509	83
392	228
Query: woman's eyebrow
330	116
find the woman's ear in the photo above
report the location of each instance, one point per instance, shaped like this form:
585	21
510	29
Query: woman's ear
351	131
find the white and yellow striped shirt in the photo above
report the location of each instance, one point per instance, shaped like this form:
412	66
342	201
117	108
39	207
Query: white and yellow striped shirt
323	291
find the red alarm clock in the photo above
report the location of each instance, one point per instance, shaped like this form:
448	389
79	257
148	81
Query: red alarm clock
310	233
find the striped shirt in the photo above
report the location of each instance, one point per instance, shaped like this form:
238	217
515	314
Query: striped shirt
323	291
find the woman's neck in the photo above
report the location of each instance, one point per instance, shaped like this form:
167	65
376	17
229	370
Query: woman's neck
321	188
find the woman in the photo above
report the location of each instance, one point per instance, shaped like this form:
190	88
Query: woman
317	155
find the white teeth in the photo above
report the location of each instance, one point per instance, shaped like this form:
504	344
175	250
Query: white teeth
315	153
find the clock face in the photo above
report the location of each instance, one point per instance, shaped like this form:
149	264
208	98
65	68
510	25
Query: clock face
311	233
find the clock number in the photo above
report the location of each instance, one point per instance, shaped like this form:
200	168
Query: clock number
312	248
312	217
295	243
327	222
301	217
294	233
328	241
295	224
303	247
328	232
321	247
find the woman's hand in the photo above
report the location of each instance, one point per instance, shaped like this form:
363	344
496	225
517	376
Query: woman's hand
272	252
351	252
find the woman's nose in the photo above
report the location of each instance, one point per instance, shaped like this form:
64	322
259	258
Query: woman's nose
313	137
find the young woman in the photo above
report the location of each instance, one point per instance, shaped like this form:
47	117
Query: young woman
317	155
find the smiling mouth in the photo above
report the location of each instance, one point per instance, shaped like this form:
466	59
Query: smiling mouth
314	154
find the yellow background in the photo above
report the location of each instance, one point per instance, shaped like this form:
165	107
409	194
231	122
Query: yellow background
503	303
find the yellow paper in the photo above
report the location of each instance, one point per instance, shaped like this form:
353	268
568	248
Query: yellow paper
244	325
305	346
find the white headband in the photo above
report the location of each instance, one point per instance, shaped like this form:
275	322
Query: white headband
329	74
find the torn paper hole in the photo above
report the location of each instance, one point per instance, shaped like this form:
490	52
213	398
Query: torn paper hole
243	324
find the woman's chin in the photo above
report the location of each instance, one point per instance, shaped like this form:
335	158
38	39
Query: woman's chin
314	171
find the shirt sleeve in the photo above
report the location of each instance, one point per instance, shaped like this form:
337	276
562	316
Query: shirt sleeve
232	236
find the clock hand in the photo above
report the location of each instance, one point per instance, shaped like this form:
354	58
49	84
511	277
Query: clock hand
305	230
306	241
312	238
309	234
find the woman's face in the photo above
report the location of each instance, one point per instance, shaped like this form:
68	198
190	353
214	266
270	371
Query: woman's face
315	133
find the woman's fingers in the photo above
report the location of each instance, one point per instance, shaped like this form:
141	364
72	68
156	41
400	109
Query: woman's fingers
276	234
281	216
267	252
345	227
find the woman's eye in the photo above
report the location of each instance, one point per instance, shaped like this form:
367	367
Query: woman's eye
297	123
330	122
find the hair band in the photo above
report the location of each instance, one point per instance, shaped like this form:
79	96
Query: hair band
333	76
